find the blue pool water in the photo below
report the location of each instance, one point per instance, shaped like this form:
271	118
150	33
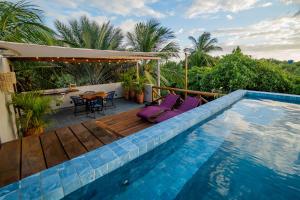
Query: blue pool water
249	151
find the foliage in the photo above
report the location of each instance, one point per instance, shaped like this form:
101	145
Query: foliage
84	33
22	22
64	80
151	36
33	108
203	45
128	79
173	73
140	85
238	71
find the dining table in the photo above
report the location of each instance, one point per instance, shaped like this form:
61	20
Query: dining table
88	96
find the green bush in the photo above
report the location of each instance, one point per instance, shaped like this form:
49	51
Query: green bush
238	71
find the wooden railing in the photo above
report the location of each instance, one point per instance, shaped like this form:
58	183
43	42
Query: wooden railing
156	95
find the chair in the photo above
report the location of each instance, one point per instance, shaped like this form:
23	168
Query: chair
109	99
78	102
95	105
152	111
188	104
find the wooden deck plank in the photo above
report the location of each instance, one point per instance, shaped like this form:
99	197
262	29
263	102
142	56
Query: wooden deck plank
134	129
101	133
70	143
32	156
10	154
53	150
86	138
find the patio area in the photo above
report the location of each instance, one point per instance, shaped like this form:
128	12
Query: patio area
65	117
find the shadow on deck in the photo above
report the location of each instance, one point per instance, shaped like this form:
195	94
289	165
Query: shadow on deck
29	155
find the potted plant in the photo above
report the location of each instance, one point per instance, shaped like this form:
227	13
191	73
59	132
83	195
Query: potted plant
126	82
33	107
139	90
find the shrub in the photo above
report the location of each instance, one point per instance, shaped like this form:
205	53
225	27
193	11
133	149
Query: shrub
238	71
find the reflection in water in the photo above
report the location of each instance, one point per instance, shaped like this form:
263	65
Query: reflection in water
259	158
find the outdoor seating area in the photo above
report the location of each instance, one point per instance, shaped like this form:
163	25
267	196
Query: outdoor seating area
92	102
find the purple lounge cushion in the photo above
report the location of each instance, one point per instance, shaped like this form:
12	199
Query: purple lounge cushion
189	103
167	115
152	111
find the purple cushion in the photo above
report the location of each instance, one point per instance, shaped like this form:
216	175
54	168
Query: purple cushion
167	115
151	111
169	101
189	103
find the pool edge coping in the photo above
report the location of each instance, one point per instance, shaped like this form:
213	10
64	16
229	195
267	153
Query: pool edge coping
59	181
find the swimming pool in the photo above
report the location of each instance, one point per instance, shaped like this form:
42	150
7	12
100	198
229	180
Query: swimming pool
251	150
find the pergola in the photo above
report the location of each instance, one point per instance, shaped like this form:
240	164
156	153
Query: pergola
33	52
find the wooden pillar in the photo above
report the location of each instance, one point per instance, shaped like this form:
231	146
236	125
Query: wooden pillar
158	75
186	73
137	70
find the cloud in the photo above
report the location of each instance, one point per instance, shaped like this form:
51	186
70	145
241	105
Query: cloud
128	7
127	25
229	17
264	5
200	7
290	1
265	38
180	31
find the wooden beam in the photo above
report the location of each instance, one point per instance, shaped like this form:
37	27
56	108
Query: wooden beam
207	94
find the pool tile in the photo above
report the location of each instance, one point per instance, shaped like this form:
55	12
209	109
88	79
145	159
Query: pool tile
30	187
83	169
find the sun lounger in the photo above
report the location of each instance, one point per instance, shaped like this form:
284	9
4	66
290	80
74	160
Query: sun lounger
188	104
153	111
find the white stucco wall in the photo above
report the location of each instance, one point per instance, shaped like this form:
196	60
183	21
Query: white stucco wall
7	116
65	98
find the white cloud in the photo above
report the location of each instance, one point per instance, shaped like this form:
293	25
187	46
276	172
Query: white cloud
229	17
128	7
291	1
277	38
264	5
196	31
200	7
180	31
127	25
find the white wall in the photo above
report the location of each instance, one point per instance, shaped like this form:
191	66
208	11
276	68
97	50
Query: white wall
8	129
65	98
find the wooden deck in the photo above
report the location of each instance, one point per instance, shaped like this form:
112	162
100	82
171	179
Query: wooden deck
24	157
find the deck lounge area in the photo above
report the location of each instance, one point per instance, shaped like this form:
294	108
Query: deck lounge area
33	154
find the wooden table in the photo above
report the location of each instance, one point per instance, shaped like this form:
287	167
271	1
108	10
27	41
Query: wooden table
92	96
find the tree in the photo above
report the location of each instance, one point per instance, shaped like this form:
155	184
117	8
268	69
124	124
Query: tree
84	33
203	45
151	36
22	22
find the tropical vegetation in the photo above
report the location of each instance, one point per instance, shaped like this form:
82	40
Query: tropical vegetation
33	107
23	22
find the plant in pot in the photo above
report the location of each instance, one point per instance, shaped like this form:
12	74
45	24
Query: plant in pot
33	108
139	89
126	83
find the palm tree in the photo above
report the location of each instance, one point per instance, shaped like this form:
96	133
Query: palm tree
203	45
151	36
84	33
22	22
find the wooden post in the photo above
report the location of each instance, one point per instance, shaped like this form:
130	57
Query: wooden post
137	70
158	76
186	72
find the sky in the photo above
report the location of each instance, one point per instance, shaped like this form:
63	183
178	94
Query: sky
262	28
